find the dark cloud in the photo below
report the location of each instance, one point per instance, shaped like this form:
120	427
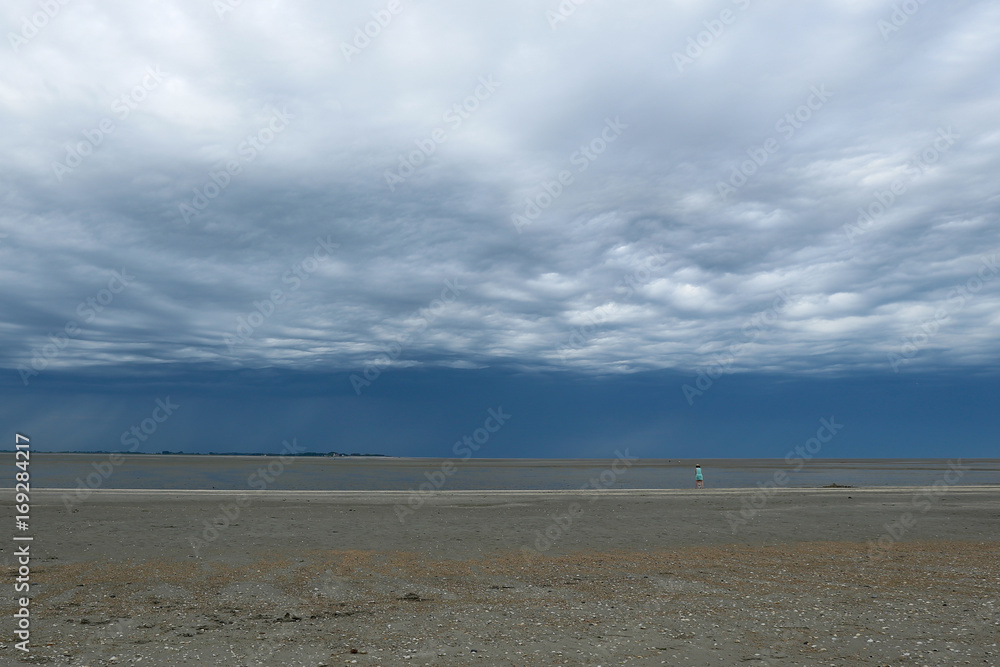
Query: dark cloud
423	411
118	115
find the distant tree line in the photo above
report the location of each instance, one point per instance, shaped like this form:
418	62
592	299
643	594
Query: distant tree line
167	451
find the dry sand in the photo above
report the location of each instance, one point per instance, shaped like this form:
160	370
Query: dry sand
636	577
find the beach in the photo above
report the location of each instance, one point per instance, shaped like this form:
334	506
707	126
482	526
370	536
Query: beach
900	576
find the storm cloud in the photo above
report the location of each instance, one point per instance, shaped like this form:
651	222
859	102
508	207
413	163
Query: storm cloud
806	189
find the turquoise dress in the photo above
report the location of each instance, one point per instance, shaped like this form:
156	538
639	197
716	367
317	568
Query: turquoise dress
698	476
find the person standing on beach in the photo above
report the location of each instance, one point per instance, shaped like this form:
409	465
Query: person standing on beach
699	479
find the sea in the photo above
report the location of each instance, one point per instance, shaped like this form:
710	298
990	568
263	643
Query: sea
371	473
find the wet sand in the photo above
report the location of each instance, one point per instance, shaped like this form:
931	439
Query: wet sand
374	473
714	577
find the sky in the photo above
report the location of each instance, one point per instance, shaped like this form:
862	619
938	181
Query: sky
688	228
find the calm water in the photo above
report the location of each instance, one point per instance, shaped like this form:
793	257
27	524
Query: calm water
322	473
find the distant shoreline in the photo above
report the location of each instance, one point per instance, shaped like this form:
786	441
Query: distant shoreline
485	494
769	461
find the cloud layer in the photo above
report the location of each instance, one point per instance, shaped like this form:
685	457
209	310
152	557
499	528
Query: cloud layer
773	187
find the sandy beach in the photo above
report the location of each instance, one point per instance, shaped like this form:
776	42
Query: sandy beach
853	576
